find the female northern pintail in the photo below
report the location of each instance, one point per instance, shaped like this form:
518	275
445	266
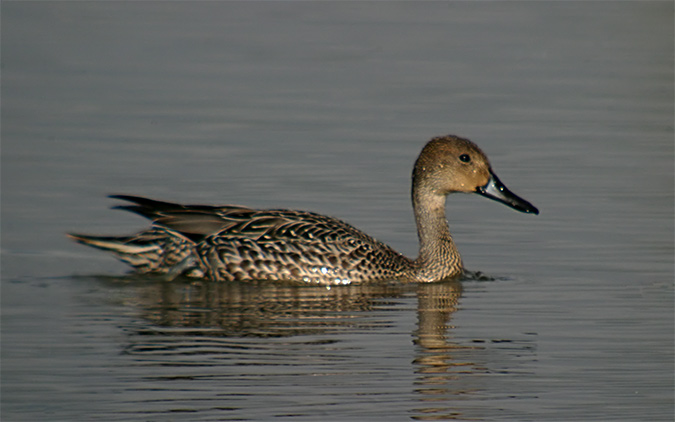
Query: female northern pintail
224	243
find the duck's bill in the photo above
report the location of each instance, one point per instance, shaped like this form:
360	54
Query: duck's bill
496	190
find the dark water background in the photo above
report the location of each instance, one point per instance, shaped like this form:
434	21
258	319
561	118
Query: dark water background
324	107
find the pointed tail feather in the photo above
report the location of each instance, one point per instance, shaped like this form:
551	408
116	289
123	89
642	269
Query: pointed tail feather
118	245
143	257
153	251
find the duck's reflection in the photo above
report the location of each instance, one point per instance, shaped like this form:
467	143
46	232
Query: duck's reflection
272	310
438	370
260	309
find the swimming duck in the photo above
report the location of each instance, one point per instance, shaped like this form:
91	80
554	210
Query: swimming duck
226	243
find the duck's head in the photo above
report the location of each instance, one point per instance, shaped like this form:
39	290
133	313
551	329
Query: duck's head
450	164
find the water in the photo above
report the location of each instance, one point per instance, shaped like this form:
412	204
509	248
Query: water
324	107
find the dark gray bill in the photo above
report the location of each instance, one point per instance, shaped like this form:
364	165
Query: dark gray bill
496	190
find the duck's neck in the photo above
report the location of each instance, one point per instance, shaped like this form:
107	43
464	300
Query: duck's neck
438	258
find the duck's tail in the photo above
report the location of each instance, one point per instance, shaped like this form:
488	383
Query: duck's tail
156	250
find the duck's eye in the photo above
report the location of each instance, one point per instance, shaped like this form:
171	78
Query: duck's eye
465	158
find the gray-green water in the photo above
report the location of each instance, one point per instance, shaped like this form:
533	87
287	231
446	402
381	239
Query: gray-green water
324	107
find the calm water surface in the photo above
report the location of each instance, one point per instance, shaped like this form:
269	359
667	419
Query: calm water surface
324	107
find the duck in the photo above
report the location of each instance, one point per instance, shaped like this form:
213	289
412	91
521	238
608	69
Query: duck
229	243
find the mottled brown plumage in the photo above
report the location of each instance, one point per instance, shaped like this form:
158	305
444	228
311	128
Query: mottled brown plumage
226	243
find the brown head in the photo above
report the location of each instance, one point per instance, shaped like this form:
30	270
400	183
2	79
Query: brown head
450	164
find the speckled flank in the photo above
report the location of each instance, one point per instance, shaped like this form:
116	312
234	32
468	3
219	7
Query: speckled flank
228	243
300	246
